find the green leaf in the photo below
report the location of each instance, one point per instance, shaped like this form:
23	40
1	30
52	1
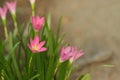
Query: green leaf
2	58
64	70
49	20
58	29
40	57
37	75
85	77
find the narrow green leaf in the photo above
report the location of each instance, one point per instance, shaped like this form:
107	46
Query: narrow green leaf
58	29
2	58
37	75
40	65
64	70
85	77
49	20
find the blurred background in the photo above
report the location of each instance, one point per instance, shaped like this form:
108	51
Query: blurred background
92	25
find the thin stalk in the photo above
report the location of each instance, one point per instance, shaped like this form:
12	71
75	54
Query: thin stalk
5	29
33	12
33	9
15	25
6	33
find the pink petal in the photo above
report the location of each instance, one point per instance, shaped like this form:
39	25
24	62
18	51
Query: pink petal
42	20
36	40
3	12
42	49
78	55
42	43
11	6
37	19
65	57
67	49
31	42
65	53
33	21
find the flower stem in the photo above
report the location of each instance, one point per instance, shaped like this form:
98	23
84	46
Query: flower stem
33	13
5	28
15	25
33	9
6	33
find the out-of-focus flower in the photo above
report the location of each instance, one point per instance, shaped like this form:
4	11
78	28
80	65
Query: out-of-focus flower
36	46
12	7
65	54
32	2
70	53
3	12
76	54
38	23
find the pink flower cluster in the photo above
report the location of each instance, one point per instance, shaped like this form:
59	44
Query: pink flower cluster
67	53
70	53
9	5
35	44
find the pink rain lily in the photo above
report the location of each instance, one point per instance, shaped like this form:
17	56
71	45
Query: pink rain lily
65	54
12	7
37	23
3	12
36	46
76	54
70	53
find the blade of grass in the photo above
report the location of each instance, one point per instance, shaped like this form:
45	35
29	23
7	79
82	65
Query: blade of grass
58	29
37	75
64	70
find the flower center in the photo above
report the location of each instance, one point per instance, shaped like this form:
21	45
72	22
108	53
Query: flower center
35	47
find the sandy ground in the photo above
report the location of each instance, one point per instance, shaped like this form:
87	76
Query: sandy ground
92	25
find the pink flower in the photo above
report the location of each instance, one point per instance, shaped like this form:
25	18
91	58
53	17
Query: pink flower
12	7
3	12
70	53
76	54
37	23
36	46
32	2
65	54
